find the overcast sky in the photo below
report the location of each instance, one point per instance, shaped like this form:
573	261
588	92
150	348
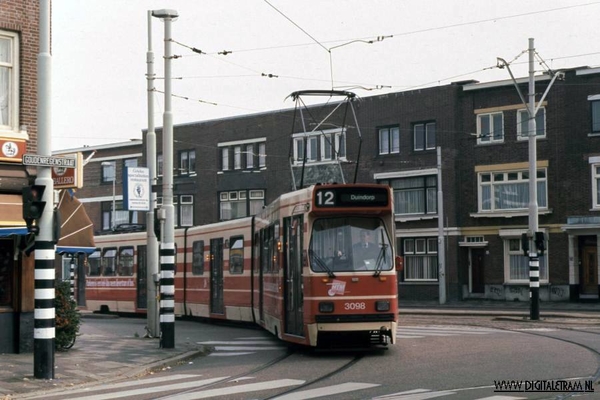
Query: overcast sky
99	53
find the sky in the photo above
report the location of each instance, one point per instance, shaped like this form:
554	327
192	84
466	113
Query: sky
99	87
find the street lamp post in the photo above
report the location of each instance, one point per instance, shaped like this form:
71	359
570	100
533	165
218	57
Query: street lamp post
114	202
167	245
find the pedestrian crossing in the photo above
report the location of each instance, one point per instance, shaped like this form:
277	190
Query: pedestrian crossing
194	387
419	332
243	346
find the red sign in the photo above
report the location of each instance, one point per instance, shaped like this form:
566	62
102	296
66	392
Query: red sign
12	150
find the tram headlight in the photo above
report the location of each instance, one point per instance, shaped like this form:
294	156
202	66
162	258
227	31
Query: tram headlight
382	305
326	306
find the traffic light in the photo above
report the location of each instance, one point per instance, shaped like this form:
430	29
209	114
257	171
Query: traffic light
540	242
33	206
525	244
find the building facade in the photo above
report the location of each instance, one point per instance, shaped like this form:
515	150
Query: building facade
473	135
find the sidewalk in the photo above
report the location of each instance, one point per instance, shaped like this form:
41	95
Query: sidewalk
110	348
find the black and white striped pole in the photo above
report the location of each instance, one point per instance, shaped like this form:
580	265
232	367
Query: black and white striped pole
167	244
44	293
72	276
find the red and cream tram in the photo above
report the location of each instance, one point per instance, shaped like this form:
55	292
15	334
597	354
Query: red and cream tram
315	267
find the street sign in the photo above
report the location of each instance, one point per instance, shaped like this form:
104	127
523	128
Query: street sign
49	161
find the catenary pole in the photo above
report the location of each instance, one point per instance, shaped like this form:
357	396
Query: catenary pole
441	248
167	245
152	242
534	262
44	292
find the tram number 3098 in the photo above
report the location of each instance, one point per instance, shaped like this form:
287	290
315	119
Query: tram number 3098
355	306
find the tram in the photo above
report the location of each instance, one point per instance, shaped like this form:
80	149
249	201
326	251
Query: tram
301	269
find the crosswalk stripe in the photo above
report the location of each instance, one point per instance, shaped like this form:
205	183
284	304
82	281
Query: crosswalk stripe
502	398
231	354
251	387
244	342
246	348
155	389
416	394
325	391
129	384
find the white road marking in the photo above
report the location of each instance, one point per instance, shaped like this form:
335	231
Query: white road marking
416	394
325	391
252	387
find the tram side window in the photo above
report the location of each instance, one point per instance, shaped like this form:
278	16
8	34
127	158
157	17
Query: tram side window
109	262
236	255
94	264
125	267
198	257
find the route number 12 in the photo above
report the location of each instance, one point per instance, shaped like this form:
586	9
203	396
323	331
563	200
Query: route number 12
325	198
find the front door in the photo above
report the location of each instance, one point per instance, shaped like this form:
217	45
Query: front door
589	266
294	307
477	268
216	276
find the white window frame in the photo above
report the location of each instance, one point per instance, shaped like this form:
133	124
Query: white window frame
250	156
315	142
595	165
489	139
262	155
594	102
11	126
540	115
237	157
426	132
391	133
420	247
186	210
225	159
508	176
514	235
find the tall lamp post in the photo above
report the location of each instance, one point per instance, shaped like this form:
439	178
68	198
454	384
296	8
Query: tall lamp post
167	245
114	180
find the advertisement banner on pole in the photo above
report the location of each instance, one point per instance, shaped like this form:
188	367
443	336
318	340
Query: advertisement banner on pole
136	189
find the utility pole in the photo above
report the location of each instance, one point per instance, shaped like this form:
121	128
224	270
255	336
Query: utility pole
167	245
533	242
44	314
441	248
152	242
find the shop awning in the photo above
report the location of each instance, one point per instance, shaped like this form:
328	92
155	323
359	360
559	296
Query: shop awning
76	230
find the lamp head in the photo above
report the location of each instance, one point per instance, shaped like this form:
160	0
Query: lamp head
165	13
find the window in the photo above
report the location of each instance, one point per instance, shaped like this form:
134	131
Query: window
109	262
237	157
94	263
262	155
130	163
125	267
225	159
389	140
596	185
414	195
187	162
244	154
198	257
249	156
523	124
500	191
424	136
319	146
121	216
239	204
420	259
186	210
595	106
490	128
109	172
9	81
516	263
236	255
159	165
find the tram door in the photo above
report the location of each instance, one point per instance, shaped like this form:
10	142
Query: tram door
216	275
294	307
141	275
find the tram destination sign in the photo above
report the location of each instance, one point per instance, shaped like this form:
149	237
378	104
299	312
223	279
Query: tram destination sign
327	197
49	161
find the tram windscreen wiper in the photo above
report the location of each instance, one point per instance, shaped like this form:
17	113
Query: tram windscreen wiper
380	257
321	263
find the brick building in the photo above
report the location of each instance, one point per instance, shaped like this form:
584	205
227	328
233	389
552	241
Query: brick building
18	135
